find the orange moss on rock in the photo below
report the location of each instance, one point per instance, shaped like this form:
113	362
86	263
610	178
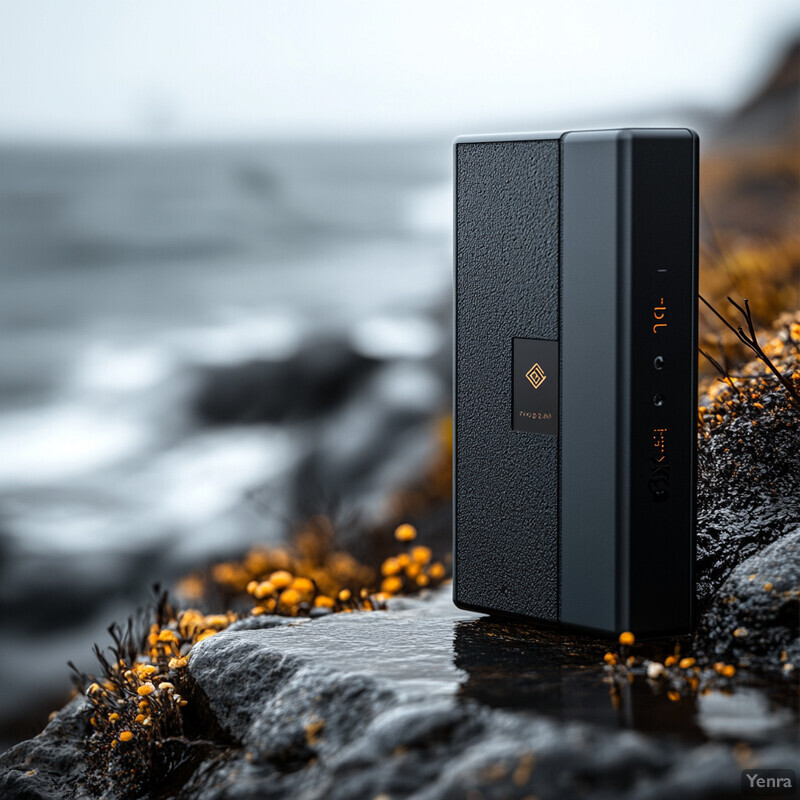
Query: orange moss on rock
750	390
138	700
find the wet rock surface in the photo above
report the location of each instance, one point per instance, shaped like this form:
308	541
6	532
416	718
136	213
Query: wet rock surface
427	701
755	616
51	765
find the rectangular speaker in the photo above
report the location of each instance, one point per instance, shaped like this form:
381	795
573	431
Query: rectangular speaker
575	386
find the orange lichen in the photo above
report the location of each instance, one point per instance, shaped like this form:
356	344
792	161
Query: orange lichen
218	621
262	589
303	586
391	566
281	579
391	585
413	570
289	598
405	533
190	587
421	554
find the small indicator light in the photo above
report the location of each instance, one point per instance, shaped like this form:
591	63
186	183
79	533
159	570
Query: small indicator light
658	400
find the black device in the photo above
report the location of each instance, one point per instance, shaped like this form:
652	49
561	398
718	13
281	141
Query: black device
575	386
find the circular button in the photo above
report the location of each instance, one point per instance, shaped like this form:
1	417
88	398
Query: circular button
658	362
658	400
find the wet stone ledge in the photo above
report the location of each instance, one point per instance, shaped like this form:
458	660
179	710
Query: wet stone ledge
428	701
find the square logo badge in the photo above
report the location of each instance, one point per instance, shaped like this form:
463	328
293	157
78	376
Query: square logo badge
535	386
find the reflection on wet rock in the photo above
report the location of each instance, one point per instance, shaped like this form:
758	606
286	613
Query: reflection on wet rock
515	666
429	701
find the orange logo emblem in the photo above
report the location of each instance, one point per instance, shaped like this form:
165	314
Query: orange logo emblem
536	376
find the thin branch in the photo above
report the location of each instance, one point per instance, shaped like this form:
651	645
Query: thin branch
722	370
750	340
714	363
719	316
753	344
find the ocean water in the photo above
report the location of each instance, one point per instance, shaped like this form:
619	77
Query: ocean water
133	275
121	269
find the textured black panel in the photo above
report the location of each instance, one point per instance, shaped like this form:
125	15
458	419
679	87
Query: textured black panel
506	494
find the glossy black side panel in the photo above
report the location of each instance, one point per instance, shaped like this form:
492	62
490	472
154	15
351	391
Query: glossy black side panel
663	366
628	379
592	332
506	285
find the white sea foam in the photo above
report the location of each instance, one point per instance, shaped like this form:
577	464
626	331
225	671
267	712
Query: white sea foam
61	442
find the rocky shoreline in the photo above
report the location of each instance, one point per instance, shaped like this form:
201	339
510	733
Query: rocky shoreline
403	695
397	704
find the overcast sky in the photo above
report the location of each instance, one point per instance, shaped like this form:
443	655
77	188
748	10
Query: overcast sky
111	68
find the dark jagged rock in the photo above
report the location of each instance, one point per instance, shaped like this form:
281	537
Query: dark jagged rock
313	382
748	489
348	727
51	765
363	705
237	679
755	617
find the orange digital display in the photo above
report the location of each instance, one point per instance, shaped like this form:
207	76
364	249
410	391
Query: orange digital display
659	314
